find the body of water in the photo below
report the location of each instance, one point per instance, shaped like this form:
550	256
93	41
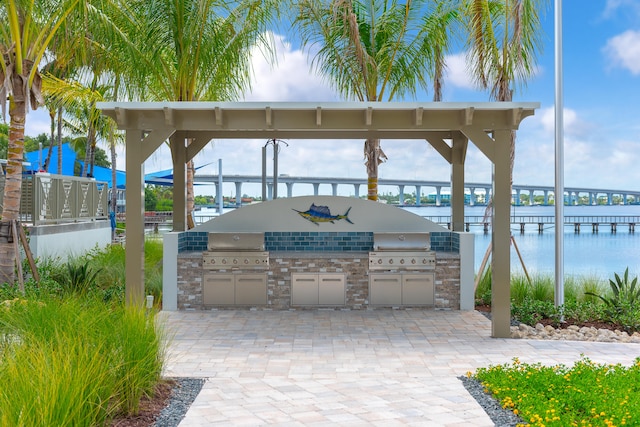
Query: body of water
597	254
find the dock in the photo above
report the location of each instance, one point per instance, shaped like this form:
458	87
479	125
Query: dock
546	221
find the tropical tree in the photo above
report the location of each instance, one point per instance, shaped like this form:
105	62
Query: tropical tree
504	37
82	116
193	50
27	29
378	50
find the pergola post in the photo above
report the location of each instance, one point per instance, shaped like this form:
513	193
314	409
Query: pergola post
458	154
134	254
501	237
179	156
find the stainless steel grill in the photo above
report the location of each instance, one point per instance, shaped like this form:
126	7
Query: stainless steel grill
402	270
402	251
235	250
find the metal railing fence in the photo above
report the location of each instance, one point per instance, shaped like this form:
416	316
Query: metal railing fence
55	199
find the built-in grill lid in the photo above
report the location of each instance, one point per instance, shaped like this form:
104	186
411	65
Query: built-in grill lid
401	242
236	241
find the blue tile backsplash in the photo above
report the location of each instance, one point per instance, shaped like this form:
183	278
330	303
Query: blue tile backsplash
310	241
316	241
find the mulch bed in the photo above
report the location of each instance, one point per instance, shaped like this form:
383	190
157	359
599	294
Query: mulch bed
150	407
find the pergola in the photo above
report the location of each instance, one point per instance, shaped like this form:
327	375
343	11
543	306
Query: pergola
448	127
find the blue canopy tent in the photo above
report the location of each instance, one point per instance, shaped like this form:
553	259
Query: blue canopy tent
69	159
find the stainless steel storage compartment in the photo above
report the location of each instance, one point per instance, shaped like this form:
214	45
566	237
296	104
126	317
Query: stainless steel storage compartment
318	289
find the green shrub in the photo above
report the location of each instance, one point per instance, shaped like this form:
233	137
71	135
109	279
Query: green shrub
624	292
590	285
543	288
483	291
80	278
531	311
520	289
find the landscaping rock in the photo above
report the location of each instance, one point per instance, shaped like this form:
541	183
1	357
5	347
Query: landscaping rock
572	333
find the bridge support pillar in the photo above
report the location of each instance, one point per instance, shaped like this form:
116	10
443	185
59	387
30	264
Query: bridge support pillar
289	189
609	199
418	195
517	201
334	189
614	227
238	194
522	228
540	227
546	197
576	228
632	227
401	195
472	196
594	227
438	196
356	189
316	186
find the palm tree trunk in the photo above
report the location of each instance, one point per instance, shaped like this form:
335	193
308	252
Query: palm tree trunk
87	152
114	184
12	186
190	194
92	158
373	155
52	117
60	140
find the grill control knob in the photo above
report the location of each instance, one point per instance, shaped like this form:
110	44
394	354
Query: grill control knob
224	260
413	260
402	261
380	261
391	261
213	261
424	260
235	260
246	261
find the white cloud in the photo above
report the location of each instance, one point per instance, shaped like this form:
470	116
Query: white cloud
37	122
457	73
624	51
573	125
612	6
290	79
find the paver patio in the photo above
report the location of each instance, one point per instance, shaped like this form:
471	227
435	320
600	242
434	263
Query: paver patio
378	367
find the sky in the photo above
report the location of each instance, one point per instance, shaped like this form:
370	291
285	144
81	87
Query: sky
601	92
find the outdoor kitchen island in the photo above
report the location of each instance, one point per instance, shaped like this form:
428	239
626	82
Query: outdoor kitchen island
318	252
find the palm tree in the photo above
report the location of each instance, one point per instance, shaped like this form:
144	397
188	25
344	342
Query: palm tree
504	37
83	118
28	29
378	50
194	50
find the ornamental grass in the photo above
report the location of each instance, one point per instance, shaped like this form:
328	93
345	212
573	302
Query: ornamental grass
75	360
587	394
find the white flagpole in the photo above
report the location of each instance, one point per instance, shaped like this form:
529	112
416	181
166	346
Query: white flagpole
559	153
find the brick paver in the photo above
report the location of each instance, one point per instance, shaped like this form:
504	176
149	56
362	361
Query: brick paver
349	368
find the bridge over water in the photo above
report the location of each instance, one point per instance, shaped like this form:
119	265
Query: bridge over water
477	192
